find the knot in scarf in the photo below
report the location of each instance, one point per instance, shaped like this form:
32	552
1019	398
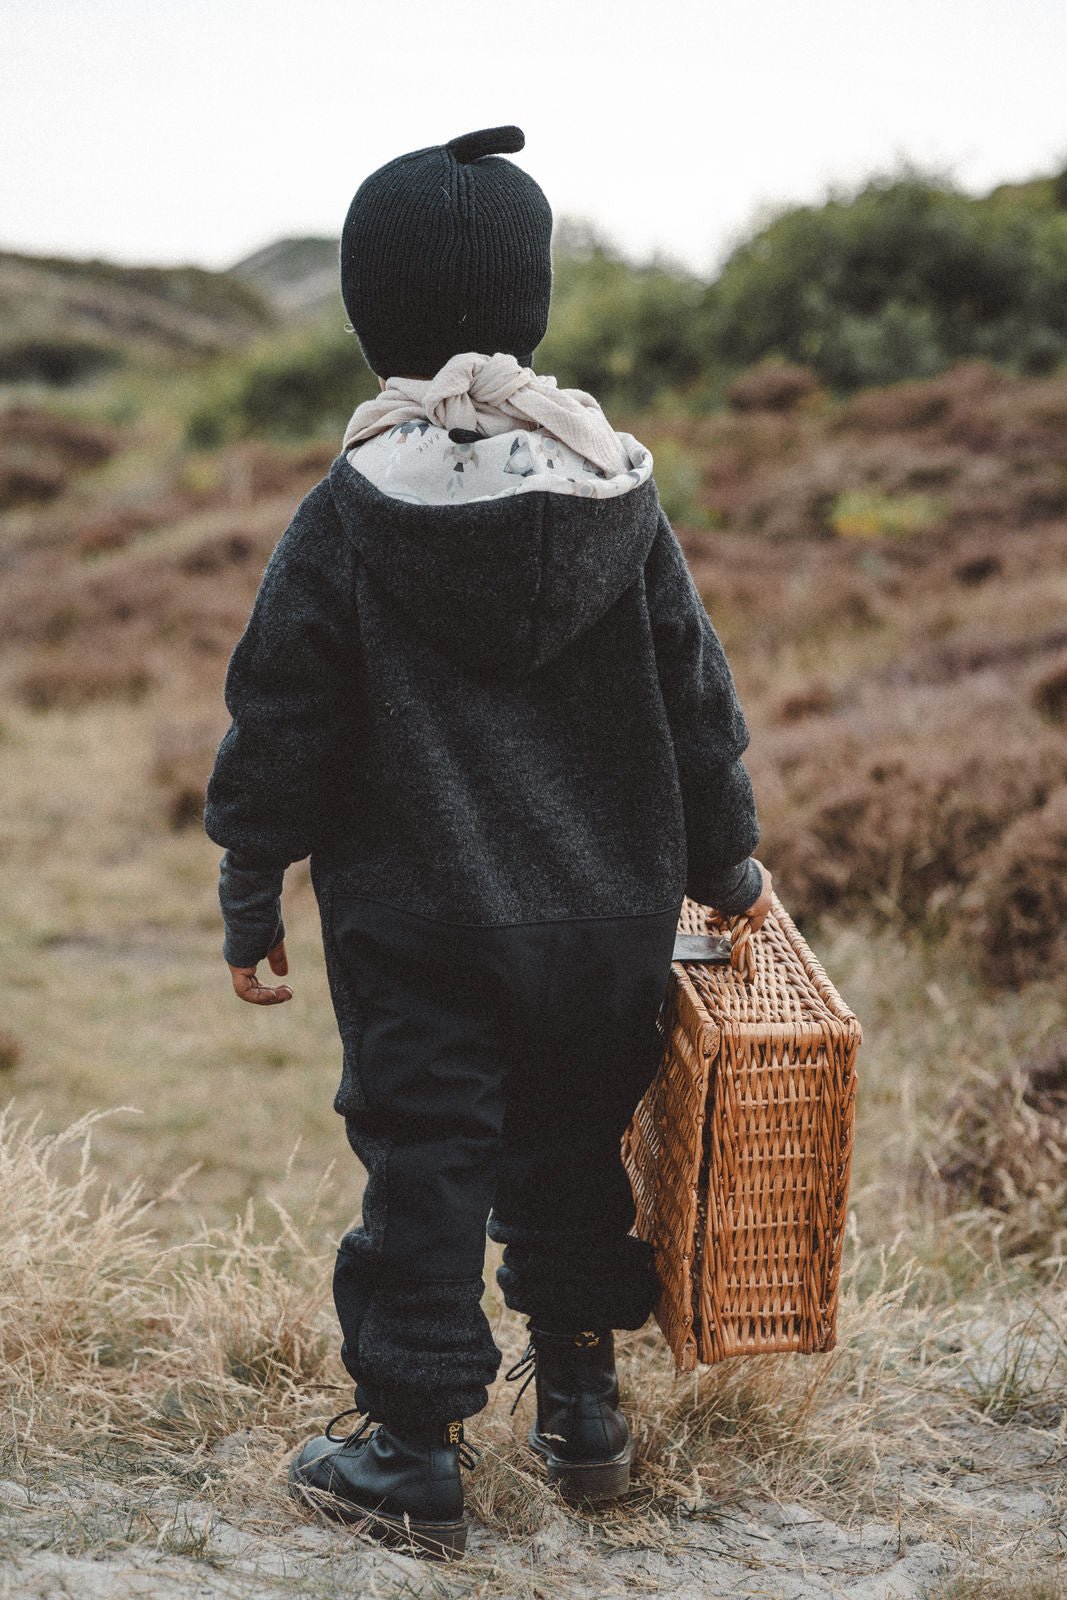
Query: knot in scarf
490	395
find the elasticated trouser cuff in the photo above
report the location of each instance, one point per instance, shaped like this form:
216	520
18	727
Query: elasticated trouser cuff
421	1353
570	1282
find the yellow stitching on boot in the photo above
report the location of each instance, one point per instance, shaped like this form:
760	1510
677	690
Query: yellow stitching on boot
455	1433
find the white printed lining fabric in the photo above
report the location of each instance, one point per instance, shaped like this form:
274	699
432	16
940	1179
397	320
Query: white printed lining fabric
419	462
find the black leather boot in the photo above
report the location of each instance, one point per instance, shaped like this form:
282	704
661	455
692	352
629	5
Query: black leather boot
579	1430
406	1490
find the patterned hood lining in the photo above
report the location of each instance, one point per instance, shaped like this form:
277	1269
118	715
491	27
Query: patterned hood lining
424	465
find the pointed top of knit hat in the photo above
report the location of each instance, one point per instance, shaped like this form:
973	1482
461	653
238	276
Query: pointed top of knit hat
448	249
487	142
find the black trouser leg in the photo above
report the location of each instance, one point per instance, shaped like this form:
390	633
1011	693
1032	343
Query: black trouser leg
488	1066
563	1206
425	1120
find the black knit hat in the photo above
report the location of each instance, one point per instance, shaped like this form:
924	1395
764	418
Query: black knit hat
444	250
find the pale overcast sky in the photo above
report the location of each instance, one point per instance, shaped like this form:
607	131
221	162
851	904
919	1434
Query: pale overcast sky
199	130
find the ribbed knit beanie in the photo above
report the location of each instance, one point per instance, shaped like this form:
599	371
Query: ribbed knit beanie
447	250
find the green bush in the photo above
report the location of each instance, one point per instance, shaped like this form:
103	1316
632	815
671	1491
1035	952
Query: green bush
57	361
625	333
679	480
900	280
308	384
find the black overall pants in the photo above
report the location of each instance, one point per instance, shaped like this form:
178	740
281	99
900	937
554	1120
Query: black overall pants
490	1072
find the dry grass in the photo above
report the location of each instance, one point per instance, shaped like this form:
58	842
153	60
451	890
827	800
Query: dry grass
197	1368
1035	1586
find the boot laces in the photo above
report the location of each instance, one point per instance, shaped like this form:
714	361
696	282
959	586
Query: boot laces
525	1367
348	1438
468	1455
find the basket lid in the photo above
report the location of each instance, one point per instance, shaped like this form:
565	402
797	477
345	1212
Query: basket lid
790	988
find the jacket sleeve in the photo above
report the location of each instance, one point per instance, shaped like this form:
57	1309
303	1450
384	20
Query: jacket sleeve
709	733
271	791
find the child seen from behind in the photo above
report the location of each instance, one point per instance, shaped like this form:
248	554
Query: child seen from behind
479	689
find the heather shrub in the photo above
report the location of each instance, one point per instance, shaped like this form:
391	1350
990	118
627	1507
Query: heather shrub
69	679
908	405
29	483
1003	1147
41	451
903	827
114	529
219	551
814	699
796	499
50	433
115	627
969	450
773	385
976	568
1018	896
1048	693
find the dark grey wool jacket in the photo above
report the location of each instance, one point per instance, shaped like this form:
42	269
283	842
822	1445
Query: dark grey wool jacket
501	711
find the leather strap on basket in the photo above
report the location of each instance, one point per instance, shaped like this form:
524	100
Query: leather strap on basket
742	949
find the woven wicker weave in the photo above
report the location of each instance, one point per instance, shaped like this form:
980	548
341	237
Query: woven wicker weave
739	1154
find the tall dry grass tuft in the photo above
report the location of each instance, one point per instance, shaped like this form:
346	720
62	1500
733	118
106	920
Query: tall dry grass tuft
108	1342
77	1266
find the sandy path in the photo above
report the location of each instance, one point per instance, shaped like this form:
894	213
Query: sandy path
76	1543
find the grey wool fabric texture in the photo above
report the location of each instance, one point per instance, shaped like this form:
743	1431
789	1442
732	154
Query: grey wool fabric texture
502	711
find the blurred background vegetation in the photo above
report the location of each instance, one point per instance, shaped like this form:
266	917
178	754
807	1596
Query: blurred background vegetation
897	280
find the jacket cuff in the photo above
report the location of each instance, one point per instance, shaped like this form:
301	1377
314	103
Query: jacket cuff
240	950
250	898
732	892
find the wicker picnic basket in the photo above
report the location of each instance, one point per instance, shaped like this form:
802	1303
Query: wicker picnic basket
739	1153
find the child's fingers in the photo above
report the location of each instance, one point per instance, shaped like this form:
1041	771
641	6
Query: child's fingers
757	912
271	997
279	961
246	986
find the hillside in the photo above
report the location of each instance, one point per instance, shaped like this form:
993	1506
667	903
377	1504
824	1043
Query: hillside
298	277
63	321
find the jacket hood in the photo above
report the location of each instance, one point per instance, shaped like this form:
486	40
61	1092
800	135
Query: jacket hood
503	584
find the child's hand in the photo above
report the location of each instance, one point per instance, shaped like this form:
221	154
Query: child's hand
758	910
246	986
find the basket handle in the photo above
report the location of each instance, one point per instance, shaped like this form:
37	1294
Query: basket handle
742	950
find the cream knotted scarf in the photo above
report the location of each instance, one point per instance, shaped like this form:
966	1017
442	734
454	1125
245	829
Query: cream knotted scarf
489	395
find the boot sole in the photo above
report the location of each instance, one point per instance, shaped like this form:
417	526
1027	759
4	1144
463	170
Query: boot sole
440	1541
585	1480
